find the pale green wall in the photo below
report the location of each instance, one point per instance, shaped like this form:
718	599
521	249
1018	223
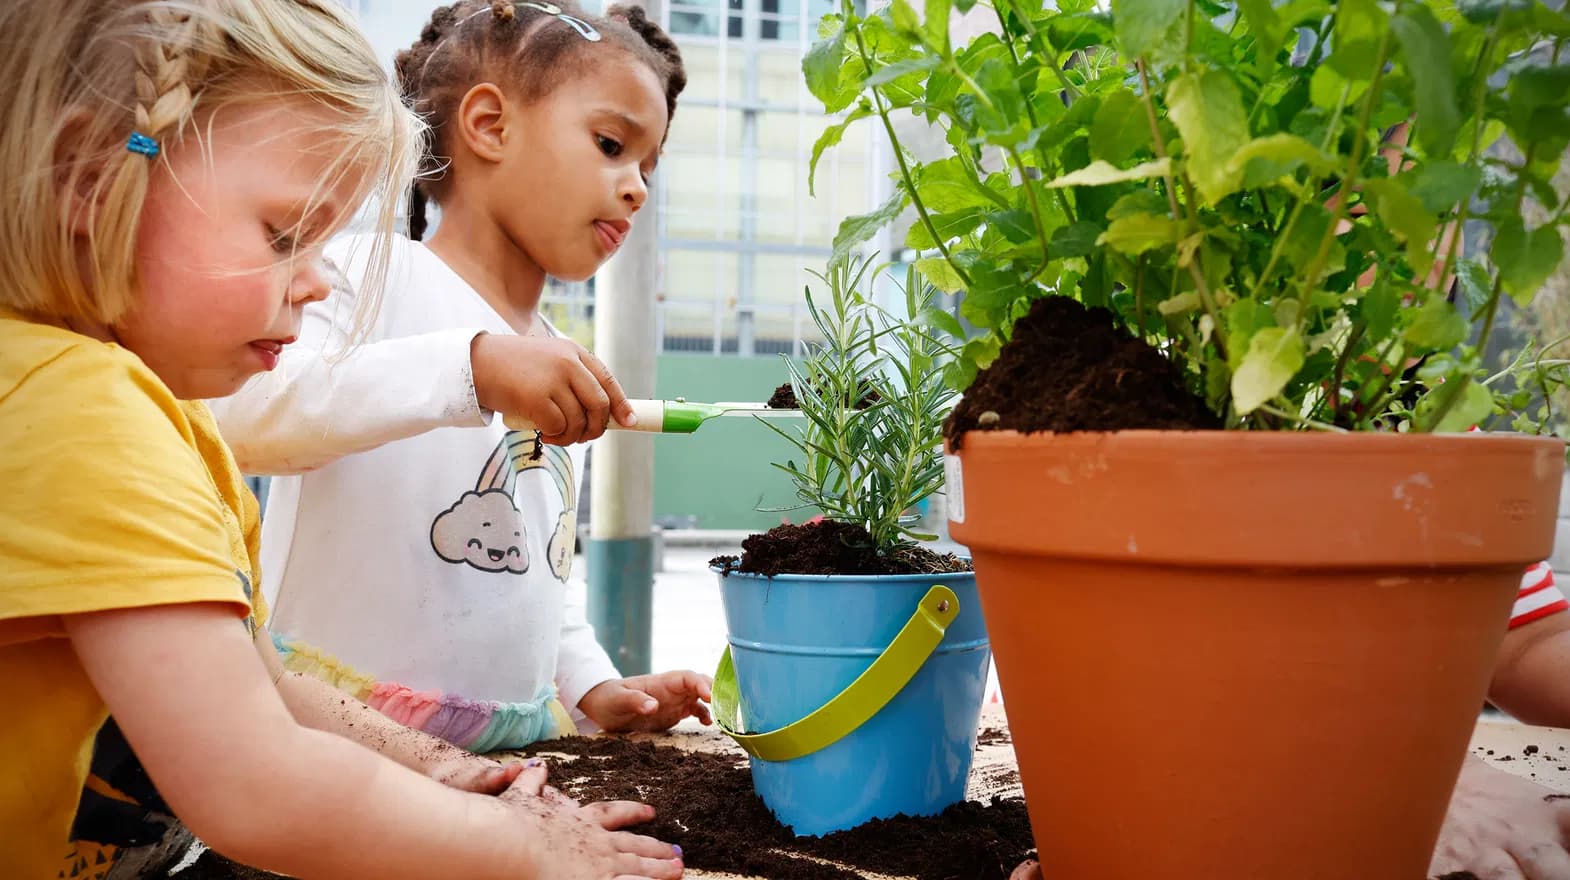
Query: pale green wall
722	473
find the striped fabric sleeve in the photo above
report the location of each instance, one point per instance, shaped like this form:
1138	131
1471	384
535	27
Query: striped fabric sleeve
1539	596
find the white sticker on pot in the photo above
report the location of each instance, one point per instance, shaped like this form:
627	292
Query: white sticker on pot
954	494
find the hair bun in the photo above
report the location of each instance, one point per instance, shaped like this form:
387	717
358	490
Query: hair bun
503	10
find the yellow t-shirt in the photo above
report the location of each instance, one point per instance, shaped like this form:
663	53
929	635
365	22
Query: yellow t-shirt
113	494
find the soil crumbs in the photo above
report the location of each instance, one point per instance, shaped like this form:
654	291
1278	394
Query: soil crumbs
1068	368
706	805
830	547
784	397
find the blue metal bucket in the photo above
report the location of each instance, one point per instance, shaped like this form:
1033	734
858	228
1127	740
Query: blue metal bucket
797	641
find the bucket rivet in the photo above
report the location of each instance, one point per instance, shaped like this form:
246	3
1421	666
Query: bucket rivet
943	606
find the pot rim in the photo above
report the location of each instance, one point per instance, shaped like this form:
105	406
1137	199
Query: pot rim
1283	441
882	578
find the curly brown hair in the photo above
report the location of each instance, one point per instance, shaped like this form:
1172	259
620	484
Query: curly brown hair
461	46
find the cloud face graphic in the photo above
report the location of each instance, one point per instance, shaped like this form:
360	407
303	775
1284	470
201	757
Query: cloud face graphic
485	530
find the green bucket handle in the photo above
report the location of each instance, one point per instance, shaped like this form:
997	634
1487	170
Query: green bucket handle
858	702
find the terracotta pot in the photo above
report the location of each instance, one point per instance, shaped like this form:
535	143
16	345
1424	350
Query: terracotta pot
1246	655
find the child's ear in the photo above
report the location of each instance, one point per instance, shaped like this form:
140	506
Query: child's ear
483	122
77	174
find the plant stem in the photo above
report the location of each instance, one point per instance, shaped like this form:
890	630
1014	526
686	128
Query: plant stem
904	167
1479	86
1301	421
1159	144
1034	35
1035	211
1337	377
1310	278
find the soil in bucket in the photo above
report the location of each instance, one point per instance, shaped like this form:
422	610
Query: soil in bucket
831	547
1068	368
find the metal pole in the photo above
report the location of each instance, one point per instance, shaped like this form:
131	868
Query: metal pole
620	549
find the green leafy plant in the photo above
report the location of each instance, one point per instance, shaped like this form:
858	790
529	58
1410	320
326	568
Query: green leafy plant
874	401
1268	192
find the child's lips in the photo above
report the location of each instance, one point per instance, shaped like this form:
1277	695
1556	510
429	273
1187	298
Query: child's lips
612	233
269	350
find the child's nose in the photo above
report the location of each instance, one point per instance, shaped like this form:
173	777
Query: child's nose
311	283
635	192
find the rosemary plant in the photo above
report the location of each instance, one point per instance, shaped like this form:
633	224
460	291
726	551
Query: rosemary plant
874	399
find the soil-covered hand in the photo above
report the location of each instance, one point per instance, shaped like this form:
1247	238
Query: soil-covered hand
468	772
567	393
649	702
1502	827
580	842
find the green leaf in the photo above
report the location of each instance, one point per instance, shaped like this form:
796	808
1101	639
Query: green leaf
821	64
941	320
1442	184
1265	25
1208	111
904	17
948	226
1120	128
1405	214
1437	326
1488	11
1476	286
1182	304
1016	226
1138	233
1275	354
1326	87
943	276
1265	160
830	137
948	185
1380	307
1076	240
1425	50
1146	27
891	72
1244	318
1099	173
1142	201
858	229
1475	404
1526	257
937	23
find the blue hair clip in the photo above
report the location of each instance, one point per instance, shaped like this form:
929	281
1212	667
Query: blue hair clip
141	143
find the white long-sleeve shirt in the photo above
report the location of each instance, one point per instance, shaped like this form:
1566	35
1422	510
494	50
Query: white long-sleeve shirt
414	550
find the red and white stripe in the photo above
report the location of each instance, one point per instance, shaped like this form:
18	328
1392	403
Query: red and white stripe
1539	596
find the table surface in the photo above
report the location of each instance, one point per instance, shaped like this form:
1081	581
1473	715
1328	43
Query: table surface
1541	754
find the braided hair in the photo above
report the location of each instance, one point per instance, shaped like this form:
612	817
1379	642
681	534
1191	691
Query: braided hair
466	42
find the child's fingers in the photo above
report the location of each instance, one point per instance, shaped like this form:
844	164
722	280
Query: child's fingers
615	815
701	712
591	396
615	397
529	781
548	419
651	869
573	416
644	846
632	701
495	780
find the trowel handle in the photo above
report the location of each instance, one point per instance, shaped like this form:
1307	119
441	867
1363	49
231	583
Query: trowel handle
650	413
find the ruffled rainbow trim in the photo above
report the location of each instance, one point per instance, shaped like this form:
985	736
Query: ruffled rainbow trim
477	725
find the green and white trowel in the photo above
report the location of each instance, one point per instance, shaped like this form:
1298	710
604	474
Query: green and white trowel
676	416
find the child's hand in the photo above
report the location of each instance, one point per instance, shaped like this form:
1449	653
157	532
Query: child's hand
572	841
554	383
467	772
648	702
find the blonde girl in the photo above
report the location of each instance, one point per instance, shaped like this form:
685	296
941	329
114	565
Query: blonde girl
170	172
